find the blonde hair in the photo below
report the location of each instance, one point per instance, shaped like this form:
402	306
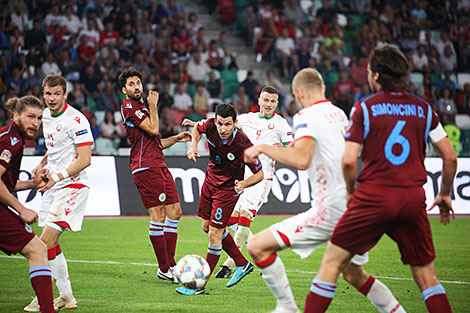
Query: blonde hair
19	104
308	79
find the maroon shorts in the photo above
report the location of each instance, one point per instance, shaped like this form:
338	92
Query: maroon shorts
216	205
14	233
156	187
398	212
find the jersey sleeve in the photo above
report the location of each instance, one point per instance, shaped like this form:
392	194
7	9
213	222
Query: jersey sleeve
81	132
303	127
355	128
7	151
132	114
286	132
202	125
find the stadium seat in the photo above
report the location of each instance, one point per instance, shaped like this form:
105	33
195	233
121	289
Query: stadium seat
100	116
462	79
417	79
191	90
462	121
105	146
228	11
230	89
229	76
91	103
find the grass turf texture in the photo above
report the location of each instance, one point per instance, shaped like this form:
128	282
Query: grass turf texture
117	287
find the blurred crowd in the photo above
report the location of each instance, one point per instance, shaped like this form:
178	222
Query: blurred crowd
91	42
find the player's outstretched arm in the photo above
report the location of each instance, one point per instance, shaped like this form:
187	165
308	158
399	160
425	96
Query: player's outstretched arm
188	122
449	168
193	151
27	215
181	137
40	166
38	181
298	156
250	181
349	165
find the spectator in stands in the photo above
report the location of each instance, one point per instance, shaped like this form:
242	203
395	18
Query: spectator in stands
346	6
215	87
293	12
108	100
192	25
165	71
140	65
265	40
35	37
197	69
36	78
409	42
91	34
427	41
446	82
182	100
50	66
434	61
6	26
168	126
343	92
109	128
362	93
214	56
71	21
77	97
420	60
19	18
292	110
285	48
446	103
174	12
250	84
448	60
95	128
109	35
90	80
15	81
250	21
325	13
165	99
241	101
443	42
128	35
201	100
302	57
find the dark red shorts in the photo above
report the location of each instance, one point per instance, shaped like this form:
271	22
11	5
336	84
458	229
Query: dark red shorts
14	233
398	212
216	205
156	187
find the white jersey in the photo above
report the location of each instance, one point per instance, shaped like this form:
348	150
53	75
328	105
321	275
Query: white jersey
326	124
267	131
63	133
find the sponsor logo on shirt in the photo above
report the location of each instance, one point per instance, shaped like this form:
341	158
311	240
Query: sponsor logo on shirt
58	127
128	105
5	156
77	119
81	132
139	114
303	125
13	141
230	156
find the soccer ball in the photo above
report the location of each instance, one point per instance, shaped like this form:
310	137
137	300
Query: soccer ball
192	271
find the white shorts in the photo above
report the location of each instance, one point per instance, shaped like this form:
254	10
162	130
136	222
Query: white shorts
307	231
63	205
253	197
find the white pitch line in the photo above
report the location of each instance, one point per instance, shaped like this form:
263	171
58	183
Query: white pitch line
458	282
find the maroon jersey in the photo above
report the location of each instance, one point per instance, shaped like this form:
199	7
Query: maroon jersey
226	156
393	128
146	150
11	152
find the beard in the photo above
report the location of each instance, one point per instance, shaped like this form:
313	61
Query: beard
23	130
134	97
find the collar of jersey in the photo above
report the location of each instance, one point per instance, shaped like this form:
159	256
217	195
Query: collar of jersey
63	110
230	140
321	101
267	118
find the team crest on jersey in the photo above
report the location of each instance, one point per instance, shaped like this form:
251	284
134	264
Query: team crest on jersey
28	228
58	127
162	197
77	119
5	156
270	126
230	156
139	114
14	141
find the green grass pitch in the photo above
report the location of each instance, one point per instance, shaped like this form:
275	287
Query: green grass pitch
111	265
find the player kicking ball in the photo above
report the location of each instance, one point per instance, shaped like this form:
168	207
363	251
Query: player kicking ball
318	148
223	184
263	127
